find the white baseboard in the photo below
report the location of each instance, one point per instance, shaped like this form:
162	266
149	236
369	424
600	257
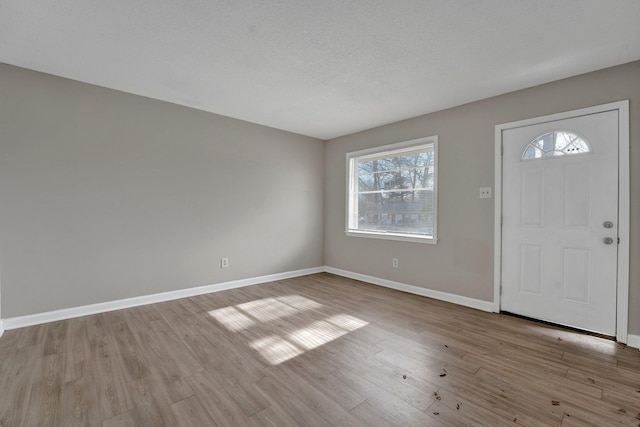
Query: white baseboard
633	341
69	313
443	296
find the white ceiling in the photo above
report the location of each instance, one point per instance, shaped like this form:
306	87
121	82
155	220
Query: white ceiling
322	68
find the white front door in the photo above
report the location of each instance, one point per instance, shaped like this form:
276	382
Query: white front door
560	221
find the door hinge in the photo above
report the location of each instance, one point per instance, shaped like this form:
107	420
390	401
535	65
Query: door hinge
618	240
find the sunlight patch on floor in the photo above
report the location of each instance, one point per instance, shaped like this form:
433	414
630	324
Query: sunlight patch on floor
316	334
264	310
582	340
232	318
274	348
300	302
347	322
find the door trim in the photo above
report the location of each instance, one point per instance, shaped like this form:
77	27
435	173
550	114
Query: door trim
622	306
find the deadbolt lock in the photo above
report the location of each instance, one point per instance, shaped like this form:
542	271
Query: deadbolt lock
607	224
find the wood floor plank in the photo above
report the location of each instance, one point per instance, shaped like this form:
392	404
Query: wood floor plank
220	405
626	401
567	401
113	395
321	403
150	410
373	416
190	412
273	416
97	326
19	369
131	356
456	410
386	401
10	340
435	364
55	337
237	387
167	393
32	336
79	403
300	411
597	379
167	355
415	392
77	350
628	376
510	394
501	399
329	385
125	419
536	376
313	350
45	400
216	351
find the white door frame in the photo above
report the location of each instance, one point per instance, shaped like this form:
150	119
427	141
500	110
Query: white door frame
622	306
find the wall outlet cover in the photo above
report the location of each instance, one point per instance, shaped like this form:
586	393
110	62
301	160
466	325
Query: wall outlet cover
485	192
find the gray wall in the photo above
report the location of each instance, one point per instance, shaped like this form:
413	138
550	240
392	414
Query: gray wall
107	195
462	261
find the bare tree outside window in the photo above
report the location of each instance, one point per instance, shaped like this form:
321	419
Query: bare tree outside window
394	191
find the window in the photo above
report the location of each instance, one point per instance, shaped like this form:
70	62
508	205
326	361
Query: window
553	144
391	191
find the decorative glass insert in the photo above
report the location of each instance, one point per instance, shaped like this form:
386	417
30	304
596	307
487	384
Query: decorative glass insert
554	144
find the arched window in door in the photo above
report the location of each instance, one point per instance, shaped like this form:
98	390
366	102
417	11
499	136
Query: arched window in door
554	144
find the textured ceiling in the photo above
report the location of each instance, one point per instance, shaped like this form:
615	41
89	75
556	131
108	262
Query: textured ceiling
322	68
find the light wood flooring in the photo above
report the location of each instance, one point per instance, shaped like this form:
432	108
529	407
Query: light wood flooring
319	350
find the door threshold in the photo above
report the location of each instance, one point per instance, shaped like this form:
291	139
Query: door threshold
559	326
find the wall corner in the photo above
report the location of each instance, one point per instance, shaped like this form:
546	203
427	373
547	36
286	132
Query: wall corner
633	341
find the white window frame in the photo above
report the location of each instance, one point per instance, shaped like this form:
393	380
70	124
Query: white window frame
384	151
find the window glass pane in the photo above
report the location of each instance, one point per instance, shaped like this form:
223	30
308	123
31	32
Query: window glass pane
531	152
398	212
553	144
367	180
394	192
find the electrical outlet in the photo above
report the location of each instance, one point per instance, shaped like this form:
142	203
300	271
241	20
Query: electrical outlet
395	262
224	262
485	192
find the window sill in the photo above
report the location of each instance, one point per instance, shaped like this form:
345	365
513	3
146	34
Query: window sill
392	236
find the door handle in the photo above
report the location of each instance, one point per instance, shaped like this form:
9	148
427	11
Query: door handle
607	240
607	224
